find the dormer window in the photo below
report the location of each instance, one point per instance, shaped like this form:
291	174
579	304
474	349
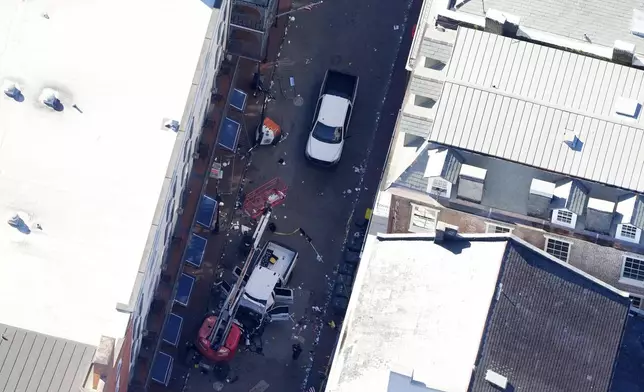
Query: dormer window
630	212
441	172
626	232
570	198
564	216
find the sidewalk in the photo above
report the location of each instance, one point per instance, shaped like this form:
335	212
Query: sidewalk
227	240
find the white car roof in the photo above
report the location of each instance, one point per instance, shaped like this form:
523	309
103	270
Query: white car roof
333	110
261	283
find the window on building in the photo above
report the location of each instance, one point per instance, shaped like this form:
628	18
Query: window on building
636	301
424	102
633	269
117	385
564	216
169	210
628	233
423	219
496	228
557	248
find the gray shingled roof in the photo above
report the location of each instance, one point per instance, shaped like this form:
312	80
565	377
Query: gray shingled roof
427	87
514	100
550	328
414	176
435	49
602	21
578	198
33	362
413	125
452	166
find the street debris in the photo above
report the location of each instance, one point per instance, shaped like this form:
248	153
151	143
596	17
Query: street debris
245	229
316	309
396	27
260	387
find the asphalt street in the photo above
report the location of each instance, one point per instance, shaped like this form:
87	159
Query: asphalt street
366	38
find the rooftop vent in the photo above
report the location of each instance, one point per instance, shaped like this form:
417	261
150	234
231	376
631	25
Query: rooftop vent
19	222
496	379
12	90
571	139
172	125
627	107
49	98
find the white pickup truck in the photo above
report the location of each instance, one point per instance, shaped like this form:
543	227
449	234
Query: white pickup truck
331	118
265	293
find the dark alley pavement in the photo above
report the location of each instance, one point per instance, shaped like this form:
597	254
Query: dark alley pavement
371	40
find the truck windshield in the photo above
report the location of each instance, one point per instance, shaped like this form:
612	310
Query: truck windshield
327	134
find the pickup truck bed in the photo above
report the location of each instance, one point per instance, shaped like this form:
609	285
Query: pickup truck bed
340	84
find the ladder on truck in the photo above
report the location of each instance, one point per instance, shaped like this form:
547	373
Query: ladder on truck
226	316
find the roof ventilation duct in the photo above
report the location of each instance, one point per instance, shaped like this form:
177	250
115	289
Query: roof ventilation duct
49	98
12	90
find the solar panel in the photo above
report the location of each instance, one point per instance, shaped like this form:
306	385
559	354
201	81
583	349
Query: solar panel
172	330
229	134
238	100
184	289
162	368
195	250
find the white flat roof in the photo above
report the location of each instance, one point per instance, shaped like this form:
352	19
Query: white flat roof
419	307
91	180
515	100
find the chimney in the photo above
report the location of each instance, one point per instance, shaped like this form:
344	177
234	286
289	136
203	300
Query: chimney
445	232
623	52
511	25
494	21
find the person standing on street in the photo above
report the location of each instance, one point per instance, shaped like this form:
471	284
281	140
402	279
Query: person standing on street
297	350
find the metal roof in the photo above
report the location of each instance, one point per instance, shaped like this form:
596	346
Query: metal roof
514	100
30	361
601	21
